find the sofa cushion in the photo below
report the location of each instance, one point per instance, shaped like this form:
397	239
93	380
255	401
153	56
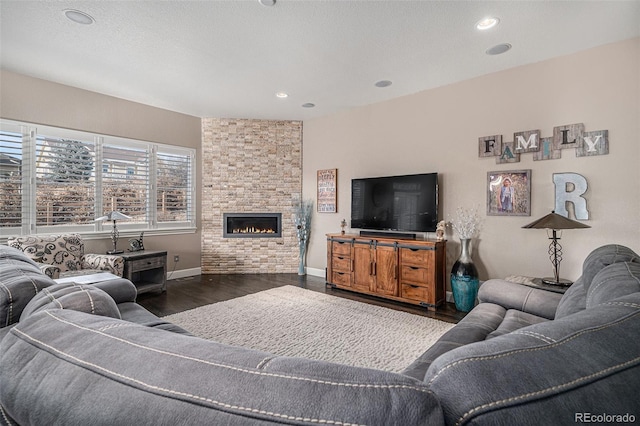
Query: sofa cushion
574	298
474	327
78	297
515	320
64	251
20	281
613	282
546	373
67	367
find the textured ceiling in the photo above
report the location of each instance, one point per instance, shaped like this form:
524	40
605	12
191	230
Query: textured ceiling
229	58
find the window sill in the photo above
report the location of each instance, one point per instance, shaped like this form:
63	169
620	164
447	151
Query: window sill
128	233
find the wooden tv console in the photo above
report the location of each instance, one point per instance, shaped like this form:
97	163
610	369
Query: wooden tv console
411	271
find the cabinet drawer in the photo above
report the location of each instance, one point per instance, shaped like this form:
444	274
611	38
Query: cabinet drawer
415	292
341	278
339	247
144	264
415	274
419	256
341	263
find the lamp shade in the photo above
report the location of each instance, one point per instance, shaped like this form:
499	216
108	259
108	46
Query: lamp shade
555	221
114	215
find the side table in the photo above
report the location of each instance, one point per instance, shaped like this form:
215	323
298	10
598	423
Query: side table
146	269
537	283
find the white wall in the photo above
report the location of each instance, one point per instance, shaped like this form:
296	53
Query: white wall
438	130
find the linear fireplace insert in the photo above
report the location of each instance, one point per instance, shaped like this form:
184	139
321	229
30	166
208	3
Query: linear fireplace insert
252	225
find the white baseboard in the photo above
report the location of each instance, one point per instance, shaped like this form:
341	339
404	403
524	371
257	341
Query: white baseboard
316	272
183	273
449	297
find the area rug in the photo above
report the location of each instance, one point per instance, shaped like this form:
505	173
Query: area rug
292	321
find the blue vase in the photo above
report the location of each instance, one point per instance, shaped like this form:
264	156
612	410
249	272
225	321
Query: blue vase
464	279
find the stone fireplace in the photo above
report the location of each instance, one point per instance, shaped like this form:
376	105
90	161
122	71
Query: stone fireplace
250	166
252	225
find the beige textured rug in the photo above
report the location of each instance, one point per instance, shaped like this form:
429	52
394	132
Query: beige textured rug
292	321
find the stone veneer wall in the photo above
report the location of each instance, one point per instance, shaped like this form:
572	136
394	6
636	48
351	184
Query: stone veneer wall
250	166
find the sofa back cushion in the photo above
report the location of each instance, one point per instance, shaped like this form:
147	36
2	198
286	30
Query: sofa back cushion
20	281
575	298
546	373
64	251
78	297
613	282
67	367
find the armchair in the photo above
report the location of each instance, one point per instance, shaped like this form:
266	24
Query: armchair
61	256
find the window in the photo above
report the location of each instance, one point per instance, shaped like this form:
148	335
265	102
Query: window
58	180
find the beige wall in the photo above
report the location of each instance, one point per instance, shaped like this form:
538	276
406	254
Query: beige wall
42	102
438	130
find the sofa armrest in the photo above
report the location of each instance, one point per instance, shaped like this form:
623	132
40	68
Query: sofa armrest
512	295
51	271
121	290
104	262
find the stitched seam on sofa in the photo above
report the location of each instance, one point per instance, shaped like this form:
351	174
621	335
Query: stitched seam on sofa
10	313
35	287
544	392
52	298
85	291
242	370
627	304
5	416
526	299
262	364
540	336
538	348
112	326
186	395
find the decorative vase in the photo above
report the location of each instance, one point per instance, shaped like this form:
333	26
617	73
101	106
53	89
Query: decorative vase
303	253
464	279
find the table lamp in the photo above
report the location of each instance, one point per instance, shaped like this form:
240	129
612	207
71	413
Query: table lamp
555	222
114	215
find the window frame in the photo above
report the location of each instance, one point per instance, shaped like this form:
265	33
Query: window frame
151	226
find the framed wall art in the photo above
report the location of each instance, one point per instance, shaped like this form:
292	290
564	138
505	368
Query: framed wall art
509	193
327	183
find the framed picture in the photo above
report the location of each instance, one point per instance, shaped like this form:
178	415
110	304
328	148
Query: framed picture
509	193
327	191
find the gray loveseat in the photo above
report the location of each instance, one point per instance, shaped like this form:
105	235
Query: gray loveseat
522	356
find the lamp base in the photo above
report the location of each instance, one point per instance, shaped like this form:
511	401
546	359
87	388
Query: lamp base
560	282
115	251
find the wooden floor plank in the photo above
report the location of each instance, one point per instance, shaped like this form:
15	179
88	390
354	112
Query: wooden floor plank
187	293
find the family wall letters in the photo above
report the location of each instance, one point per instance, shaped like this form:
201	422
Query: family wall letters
548	148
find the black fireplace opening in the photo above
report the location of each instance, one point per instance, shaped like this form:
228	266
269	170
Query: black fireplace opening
252	225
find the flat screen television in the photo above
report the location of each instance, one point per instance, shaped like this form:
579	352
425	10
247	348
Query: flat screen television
406	203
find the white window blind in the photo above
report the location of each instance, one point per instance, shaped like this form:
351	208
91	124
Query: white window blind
174	196
11	177
125	186
65	181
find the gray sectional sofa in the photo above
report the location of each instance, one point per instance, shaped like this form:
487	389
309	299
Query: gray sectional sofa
78	355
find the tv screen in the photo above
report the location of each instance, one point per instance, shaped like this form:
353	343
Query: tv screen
395	203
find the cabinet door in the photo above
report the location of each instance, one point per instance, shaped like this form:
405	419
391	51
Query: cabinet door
363	267
386	271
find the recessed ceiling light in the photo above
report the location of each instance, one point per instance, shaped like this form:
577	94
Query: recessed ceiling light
282	95
308	105
498	49
79	17
267	2
487	23
383	83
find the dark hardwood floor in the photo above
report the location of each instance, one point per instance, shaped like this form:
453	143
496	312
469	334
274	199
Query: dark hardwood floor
191	292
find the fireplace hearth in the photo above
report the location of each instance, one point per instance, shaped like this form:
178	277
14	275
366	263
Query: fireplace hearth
252	225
